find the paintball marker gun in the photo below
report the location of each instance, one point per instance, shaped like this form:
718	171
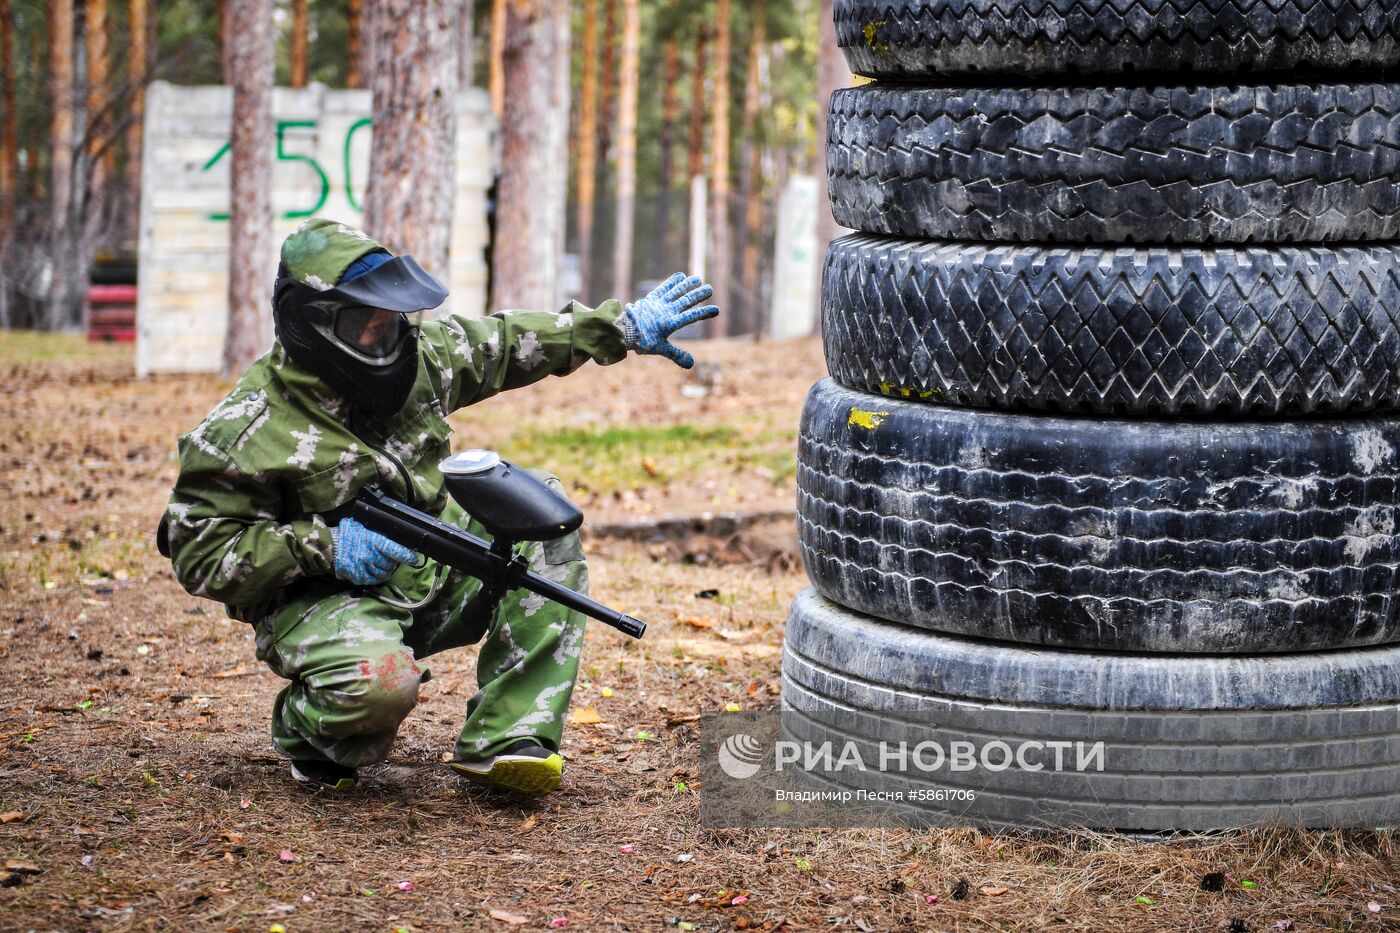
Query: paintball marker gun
514	507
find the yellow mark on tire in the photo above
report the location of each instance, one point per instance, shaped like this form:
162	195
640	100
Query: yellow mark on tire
870	420
902	392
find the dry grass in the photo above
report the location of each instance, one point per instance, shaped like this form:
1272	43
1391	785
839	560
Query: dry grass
133	726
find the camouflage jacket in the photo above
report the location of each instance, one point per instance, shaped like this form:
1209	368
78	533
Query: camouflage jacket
246	519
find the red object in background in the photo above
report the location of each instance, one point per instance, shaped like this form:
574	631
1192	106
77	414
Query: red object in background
111	313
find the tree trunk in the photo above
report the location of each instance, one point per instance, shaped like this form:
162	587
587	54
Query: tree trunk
250	54
137	74
670	114
99	153
721	253
531	194
497	78
300	27
588	148
745	318
62	290
699	107
412	165
9	128
627	149
606	112
466	44
354	44
832	75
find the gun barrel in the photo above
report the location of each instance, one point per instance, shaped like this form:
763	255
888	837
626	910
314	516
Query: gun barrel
464	551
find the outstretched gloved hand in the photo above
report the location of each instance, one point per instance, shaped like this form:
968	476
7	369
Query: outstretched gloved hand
364	557
648	324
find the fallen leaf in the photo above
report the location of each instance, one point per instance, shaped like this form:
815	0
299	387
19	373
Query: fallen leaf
12	816
585	716
996	891
24	868
235	838
649	465
528	823
236	672
697	622
507	917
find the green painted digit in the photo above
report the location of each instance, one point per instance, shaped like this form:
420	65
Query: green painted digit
284	156
349	173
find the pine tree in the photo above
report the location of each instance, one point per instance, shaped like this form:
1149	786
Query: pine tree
249	55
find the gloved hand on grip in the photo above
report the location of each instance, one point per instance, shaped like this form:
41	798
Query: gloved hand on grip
364	557
648	324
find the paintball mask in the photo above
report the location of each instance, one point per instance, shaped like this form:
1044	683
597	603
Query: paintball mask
360	336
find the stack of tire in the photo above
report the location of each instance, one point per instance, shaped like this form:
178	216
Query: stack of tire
1111	451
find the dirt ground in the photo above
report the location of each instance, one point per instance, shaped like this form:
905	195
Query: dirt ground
139	790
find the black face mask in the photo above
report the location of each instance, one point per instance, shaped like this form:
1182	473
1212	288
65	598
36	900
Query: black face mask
327	333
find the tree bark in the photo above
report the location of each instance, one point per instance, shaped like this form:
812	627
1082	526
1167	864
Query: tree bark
746	308
588	148
250	52
300	27
607	89
832	75
721	254
412	166
62	290
627	149
9	128
670	114
699	108
466	44
354	44
497	79
137	74
530	213
99	155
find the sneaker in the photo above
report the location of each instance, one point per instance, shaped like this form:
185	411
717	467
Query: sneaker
324	773
526	767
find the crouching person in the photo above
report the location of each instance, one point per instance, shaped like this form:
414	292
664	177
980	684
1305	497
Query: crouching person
356	391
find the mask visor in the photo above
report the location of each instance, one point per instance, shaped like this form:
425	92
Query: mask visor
371	332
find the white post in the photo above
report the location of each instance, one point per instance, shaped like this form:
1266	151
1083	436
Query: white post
699	221
795	302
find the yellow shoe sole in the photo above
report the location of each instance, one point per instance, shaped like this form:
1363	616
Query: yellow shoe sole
534	777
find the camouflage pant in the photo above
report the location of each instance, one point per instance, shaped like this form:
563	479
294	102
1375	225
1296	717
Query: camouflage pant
353	657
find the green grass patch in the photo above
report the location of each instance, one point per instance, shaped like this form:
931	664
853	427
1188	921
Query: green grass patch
28	346
605	460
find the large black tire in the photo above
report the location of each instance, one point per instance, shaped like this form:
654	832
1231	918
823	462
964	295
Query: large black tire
906	39
1103	535
1189	743
1119	165
1219	332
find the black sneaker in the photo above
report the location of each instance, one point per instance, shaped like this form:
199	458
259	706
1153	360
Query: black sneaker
525	767
324	773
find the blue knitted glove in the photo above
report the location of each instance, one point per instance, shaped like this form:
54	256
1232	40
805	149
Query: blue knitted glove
364	557
648	324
